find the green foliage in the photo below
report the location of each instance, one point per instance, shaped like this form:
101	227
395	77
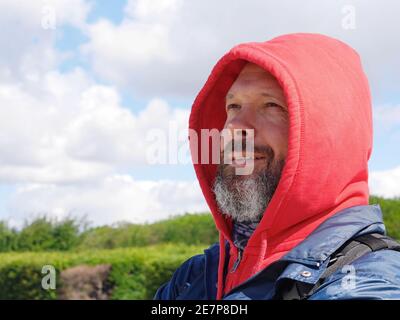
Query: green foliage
65	235
136	273
190	229
23	281
8	238
391	214
142	257
44	234
36	235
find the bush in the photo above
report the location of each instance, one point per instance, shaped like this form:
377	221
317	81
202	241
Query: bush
190	229
44	234
39	235
391	214
8	238
136	273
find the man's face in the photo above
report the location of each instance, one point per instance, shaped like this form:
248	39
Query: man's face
255	101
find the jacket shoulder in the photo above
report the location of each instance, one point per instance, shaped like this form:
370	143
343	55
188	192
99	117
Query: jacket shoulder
184	276
376	275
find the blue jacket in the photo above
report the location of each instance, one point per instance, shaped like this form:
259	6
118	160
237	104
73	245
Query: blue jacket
375	275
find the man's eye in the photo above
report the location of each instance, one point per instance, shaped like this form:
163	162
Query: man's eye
232	106
272	104
275	105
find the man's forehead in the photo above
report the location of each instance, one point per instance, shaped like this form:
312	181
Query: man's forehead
253	76
252	67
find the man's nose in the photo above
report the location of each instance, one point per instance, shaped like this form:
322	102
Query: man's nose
241	123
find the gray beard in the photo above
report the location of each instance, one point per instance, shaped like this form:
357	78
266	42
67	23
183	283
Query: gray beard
245	198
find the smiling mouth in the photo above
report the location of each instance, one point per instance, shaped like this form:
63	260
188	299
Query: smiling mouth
240	161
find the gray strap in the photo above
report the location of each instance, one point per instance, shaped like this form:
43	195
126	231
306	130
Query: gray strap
345	255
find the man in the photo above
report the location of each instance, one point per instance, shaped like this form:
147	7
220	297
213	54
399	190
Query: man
285	227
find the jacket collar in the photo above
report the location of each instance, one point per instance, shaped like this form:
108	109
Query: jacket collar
335	231
308	260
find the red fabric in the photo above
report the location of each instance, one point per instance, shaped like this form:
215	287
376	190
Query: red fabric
330	142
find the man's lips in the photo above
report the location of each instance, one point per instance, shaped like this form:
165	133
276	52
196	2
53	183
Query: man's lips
241	161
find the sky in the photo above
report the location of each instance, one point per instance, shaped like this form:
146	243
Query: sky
84	84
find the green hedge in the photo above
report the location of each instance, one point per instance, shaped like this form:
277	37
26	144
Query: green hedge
43	234
136	273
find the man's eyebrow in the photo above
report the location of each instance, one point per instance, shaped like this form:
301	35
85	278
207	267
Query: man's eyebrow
266	94
263	94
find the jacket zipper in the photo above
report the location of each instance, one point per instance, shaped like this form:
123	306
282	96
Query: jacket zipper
238	259
245	282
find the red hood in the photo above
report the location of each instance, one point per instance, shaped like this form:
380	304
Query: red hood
330	141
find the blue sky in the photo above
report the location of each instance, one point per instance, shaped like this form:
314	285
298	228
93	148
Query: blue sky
140	56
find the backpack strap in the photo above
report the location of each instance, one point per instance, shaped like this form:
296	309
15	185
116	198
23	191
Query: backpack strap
346	254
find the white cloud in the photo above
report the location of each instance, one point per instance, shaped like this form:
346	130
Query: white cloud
64	136
133	49
121	198
34	118
63	139
65	128
106	132
27	45
114	198
153	11
142	38
72	145
385	183
168	47
21	13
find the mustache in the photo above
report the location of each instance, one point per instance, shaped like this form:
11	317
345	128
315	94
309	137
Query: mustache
267	151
